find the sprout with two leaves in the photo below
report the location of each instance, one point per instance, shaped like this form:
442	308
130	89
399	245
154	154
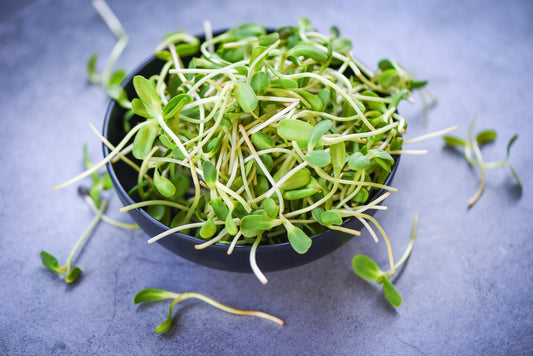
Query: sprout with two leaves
366	268
154	295
92	196
473	145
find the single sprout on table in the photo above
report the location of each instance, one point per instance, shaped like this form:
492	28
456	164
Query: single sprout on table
366	268
153	295
98	205
473	145
109	79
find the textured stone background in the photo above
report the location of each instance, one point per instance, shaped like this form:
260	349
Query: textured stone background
466	289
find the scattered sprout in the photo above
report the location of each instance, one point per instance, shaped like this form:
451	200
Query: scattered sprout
367	269
93	198
72	273
110	80
153	295
473	145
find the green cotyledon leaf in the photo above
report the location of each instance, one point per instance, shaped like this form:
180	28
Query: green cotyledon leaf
298	239
231	226
72	275
319	130
298	194
262	141
267	40
270	207
314	102
455	141
365	267
338	157
144	141
283	83
252	225
486	136
152	295
298	180
246	97
210	173
308	51
358	161
163	185
319	158
391	293
331	217
259	82
175	105
208	229
294	130
51	263
146	92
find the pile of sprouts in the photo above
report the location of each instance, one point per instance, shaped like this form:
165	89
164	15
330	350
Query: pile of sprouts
257	137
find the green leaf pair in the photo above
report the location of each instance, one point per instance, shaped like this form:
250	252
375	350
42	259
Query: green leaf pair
155	295
175	105
319	158
483	137
366	268
148	96
50	262
473	145
309	135
111	84
327	218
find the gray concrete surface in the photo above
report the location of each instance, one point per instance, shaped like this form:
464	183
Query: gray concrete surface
466	289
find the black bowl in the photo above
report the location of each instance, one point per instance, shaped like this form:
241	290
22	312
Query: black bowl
269	257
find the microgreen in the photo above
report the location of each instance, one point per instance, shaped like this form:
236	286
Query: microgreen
294	130
72	273
110	80
154	295
92	196
319	130
297	237
472	144
366	268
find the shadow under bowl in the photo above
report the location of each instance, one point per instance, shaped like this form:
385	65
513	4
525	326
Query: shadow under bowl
269	257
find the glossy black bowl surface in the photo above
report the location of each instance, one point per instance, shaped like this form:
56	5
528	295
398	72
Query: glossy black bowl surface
269	257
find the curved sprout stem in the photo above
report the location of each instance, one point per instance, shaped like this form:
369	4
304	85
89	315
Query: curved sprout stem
184	296
253	263
385	238
108	158
86	233
106	218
